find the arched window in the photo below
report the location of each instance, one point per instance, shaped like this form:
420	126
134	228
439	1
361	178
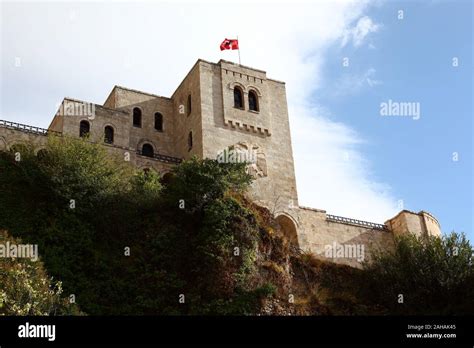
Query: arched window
189	105
238	98
108	135
253	101
84	128
137	117
147	150
159	122
190	141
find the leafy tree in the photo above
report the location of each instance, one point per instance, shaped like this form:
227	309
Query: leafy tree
199	182
434	275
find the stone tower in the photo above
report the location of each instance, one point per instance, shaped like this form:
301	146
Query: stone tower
240	107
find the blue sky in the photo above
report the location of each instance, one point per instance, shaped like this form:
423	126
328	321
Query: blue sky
349	159
411	60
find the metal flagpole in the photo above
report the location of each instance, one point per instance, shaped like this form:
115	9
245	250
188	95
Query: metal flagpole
238	48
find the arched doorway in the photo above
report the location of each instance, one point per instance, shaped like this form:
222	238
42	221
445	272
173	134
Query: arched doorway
288	227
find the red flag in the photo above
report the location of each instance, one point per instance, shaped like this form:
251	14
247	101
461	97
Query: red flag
229	44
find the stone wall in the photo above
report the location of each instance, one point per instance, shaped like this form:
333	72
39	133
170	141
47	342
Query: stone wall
432	226
163	142
415	223
187	119
318	234
11	137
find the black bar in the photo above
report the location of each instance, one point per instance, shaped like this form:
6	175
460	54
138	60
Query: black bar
241	330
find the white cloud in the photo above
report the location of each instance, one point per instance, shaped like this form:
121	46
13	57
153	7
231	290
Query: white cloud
332	174
359	32
150	46
353	83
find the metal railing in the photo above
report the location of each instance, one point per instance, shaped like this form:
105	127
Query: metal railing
26	128
356	222
162	158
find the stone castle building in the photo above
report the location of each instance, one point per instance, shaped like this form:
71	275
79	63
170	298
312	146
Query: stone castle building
221	106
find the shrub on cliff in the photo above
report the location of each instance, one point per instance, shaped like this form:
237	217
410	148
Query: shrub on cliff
26	289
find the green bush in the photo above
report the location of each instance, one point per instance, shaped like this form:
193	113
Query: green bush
199	182
26	289
434	275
